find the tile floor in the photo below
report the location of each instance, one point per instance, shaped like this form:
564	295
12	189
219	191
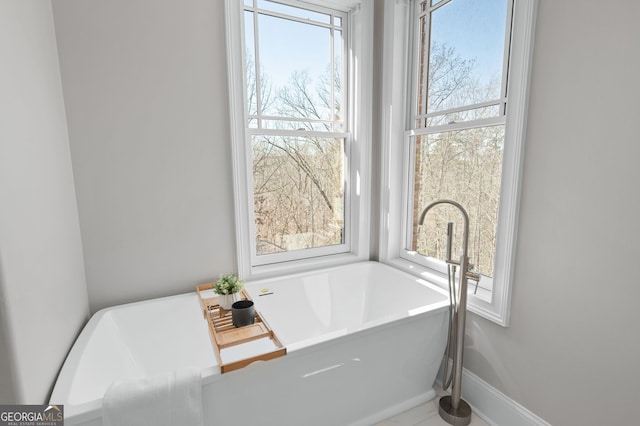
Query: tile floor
426	415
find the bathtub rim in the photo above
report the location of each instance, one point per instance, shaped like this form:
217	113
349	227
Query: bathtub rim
252	288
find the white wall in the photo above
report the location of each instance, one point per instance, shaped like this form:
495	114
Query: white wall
570	354
43	299
146	96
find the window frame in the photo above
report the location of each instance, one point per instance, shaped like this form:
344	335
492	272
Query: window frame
358	64
397	157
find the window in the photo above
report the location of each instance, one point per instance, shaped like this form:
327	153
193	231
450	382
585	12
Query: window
299	132
457	130
462	134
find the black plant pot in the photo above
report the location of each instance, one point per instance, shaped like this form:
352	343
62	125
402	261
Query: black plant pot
243	313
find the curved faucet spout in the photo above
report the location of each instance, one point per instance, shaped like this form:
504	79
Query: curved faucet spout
465	238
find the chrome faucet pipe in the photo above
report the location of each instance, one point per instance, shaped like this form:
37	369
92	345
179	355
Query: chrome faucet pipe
449	240
453	409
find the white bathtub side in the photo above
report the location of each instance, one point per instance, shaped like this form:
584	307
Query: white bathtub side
133	340
360	379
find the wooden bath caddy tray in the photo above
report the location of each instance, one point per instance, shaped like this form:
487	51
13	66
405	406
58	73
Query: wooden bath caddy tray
225	335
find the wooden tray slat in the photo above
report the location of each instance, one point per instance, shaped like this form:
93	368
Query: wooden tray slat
224	334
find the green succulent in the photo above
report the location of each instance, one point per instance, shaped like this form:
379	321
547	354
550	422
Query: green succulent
227	284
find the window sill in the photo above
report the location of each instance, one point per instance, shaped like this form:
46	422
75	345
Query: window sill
480	303
302	265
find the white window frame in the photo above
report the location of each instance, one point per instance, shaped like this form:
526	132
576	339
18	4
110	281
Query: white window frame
357	147
397	107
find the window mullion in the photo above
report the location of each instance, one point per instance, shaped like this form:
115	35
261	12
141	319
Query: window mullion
463	108
462	125
331	72
256	46
507	55
437	6
295	119
294	18
424	54
298	133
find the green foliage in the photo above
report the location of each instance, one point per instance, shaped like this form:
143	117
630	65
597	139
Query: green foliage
227	284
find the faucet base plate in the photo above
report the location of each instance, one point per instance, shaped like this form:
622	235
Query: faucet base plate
456	417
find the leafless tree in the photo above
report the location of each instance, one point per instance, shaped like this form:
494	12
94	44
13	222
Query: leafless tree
298	190
298	180
463	165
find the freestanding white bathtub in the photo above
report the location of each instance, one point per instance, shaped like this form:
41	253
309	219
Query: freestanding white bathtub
364	342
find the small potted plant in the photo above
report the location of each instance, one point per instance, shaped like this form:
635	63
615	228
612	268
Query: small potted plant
228	288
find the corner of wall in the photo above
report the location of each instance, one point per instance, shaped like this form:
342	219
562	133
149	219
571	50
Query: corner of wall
8	390
43	294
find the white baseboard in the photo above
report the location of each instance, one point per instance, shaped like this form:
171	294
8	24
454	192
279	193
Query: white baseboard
493	406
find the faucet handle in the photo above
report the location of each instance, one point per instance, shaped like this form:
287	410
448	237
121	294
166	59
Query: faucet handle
453	262
472	275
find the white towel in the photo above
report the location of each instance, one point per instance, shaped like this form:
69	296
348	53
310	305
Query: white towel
170	399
